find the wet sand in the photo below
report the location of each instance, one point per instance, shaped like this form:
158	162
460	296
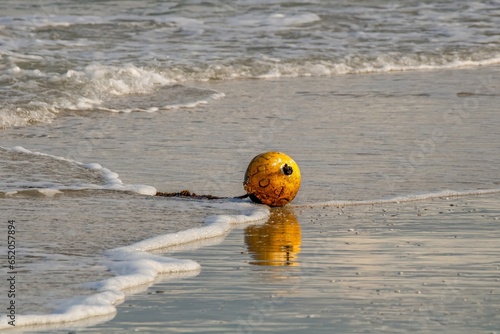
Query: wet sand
429	266
425	266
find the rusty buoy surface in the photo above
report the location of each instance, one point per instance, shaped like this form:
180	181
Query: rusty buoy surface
272	178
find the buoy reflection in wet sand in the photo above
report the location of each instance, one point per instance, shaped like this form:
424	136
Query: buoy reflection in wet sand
277	242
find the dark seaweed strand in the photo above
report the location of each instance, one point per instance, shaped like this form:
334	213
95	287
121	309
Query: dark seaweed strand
188	194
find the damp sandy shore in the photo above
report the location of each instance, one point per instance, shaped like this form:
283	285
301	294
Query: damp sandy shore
425	266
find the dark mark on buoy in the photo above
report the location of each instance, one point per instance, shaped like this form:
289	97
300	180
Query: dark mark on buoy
287	170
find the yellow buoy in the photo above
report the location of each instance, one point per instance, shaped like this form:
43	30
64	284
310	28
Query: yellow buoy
272	178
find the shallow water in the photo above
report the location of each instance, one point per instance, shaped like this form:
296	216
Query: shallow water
65	56
425	267
394	127
347	160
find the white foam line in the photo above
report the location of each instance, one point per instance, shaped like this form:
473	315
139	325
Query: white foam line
94	309
91	306
214	226
330	68
138	268
112	179
450	65
49	192
401	199
133	265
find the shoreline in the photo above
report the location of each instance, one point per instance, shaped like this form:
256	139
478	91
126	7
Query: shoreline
362	261
356	139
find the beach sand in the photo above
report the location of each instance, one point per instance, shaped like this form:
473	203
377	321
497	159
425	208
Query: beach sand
424	266
411	267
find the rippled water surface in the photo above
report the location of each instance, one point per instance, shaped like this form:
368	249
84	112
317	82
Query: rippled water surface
390	110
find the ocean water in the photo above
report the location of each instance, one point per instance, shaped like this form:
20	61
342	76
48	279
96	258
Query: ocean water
390	109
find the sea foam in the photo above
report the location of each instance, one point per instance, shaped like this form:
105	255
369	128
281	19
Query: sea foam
98	88
127	88
401	199
134	266
111	179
